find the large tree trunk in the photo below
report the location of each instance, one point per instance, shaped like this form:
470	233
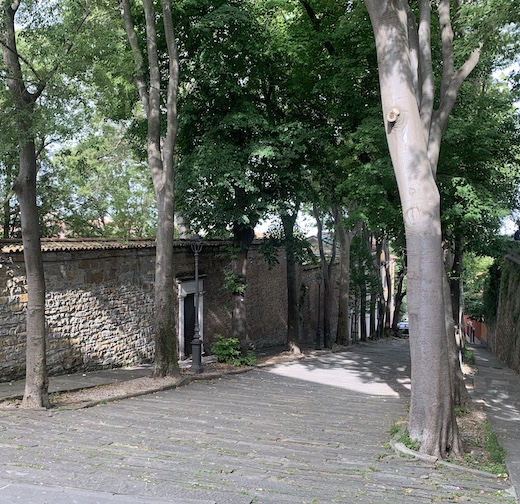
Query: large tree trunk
432	416
414	132
161	163
36	381
293	309
166	345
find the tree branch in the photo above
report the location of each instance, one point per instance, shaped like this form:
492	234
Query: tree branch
8	41
425	68
21	58
441	116
11	59
413	49
448	67
316	23
137	54
173	85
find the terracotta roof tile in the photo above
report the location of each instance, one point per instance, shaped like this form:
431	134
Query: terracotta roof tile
66	244
10	246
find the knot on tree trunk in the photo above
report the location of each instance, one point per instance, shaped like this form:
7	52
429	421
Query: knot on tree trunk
392	115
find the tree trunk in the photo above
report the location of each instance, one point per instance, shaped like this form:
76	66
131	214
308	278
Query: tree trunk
400	293
372	322
36	381
345	240
381	310
293	311
161	163
327	270
363	312
242	239
432	417
460	394
389	287
452	288
166	345
455	280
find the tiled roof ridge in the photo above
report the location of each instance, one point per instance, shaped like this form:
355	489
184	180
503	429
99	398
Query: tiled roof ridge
64	244
54	244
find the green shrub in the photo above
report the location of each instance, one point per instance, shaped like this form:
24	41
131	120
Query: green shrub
228	350
469	358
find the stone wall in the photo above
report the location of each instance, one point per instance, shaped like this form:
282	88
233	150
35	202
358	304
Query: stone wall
98	310
99	303
505	339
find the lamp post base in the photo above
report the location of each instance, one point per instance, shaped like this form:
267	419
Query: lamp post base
196	356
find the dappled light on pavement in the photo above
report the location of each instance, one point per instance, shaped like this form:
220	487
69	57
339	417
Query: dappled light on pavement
358	373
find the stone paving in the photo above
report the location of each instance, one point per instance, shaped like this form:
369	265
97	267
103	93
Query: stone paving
312	431
498	388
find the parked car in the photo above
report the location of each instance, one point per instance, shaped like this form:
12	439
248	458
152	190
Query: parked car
403	326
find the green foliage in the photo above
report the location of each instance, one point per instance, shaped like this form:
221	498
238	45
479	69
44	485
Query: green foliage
478	172
297	245
469	357
408	442
492	291
97	188
228	350
364	276
497	454
233	283
222	122
489	455
475	278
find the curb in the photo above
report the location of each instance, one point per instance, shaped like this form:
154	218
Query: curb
185	380
401	448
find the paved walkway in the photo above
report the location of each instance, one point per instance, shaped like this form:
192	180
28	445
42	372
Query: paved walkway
311	431
498	388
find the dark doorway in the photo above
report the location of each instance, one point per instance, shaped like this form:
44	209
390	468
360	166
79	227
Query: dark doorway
189	322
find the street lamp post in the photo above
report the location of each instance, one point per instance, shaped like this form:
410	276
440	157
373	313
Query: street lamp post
318	325
196	344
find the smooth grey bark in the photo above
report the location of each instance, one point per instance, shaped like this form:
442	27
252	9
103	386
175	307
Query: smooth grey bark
160	151
36	380
414	130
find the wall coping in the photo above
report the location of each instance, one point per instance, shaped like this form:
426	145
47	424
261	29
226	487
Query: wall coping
10	246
